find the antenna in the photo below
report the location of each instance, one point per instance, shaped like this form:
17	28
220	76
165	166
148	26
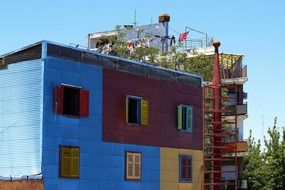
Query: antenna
262	124
135	17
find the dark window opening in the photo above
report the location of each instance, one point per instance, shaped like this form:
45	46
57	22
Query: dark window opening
184	118
134	110
71	101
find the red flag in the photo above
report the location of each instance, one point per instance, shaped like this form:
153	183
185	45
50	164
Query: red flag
183	36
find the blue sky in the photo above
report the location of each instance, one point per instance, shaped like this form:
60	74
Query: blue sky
255	28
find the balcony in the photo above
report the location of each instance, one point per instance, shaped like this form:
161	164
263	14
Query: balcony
240	109
232	147
244	95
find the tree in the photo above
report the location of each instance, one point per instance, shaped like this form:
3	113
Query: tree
255	169
266	170
275	157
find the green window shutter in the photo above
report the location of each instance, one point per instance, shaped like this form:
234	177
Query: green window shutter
74	170
179	117
65	162
127	110
189	115
144	112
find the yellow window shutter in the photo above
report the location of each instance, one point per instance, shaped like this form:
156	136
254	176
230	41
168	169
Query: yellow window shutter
179	117
74	169
127	110
144	112
65	162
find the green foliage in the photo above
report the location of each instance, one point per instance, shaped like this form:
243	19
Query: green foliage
266	170
172	59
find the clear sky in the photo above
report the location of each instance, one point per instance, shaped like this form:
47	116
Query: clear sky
255	28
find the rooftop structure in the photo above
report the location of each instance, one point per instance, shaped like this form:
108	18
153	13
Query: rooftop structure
154	35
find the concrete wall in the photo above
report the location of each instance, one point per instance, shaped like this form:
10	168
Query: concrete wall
21	101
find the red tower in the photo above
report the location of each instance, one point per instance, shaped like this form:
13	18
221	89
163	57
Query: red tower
216	153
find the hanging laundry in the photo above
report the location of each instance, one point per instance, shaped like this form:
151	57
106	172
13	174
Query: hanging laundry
172	40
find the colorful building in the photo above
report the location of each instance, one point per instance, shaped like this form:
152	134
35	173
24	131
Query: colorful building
73	119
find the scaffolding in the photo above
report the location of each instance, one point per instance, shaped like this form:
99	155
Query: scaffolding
220	131
218	138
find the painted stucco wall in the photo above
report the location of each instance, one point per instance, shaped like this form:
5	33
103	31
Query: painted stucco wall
163	98
20	119
169	169
102	164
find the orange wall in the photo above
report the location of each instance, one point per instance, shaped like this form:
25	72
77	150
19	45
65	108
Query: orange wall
169	169
21	185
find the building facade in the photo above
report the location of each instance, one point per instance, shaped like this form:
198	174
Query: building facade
75	119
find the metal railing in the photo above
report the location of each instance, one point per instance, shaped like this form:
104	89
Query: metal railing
237	71
197	43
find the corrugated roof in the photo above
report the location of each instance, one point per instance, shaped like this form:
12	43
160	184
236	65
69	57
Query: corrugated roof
35	51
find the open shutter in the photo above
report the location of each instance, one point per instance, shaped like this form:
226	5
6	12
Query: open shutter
127	110
74	170
59	99
84	103
65	162
179	117
144	112
189	118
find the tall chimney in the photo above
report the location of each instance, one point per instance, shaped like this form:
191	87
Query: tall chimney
164	19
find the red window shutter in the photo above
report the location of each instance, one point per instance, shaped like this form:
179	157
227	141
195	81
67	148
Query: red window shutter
59	99
84	103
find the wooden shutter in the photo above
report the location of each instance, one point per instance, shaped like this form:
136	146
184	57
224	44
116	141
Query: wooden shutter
130	168
127	110
179	117
144	112
137	166
65	162
84	103
133	166
189	118
74	170
59	90
189	168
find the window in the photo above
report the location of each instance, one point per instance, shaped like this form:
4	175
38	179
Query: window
136	110
69	162
185	168
72	101
133	166
185	117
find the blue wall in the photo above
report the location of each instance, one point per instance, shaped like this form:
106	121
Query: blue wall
102	164
21	99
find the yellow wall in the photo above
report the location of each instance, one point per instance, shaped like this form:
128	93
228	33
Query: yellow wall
169	169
